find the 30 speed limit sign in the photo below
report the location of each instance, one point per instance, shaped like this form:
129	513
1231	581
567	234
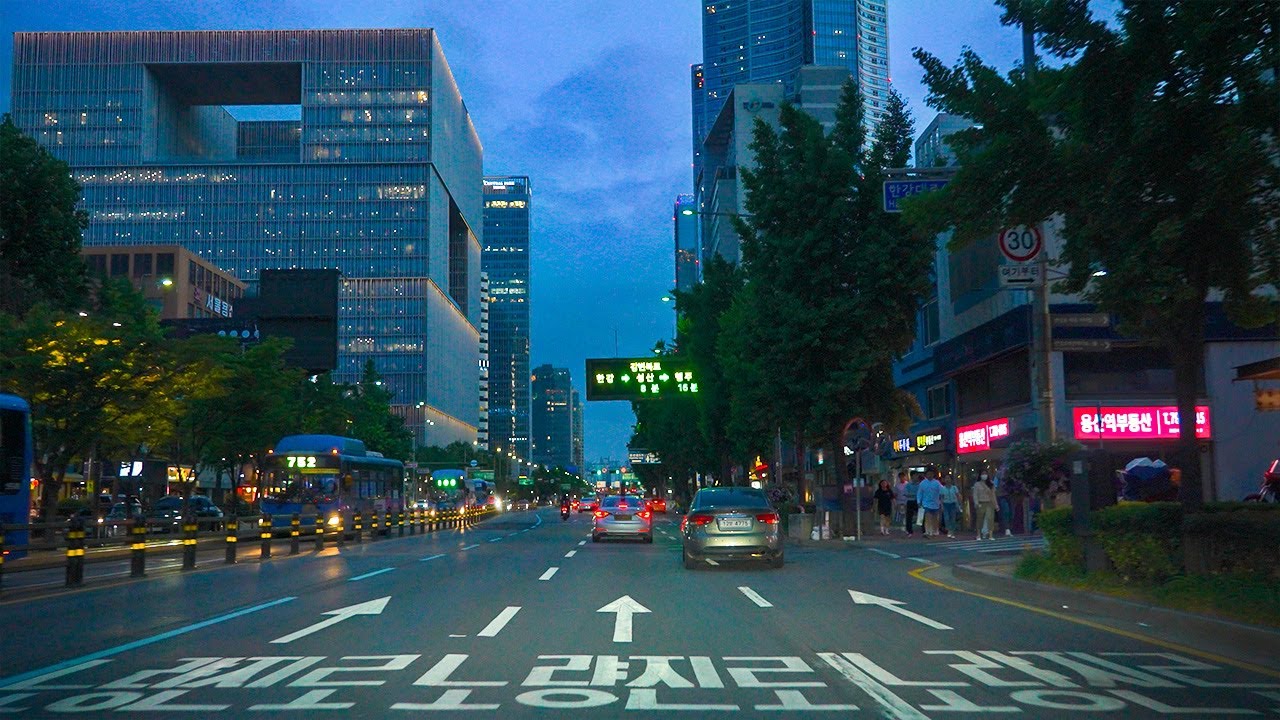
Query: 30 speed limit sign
1021	243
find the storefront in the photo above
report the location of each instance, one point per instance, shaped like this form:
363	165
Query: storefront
1123	432
981	447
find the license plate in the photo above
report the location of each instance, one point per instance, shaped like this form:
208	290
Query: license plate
733	523
622	517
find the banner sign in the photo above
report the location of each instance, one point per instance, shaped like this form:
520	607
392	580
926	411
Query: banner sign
1135	423
978	437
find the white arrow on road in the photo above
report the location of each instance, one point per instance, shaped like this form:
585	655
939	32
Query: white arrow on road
893	605
625	607
373	607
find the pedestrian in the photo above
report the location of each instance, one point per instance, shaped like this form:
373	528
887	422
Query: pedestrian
884	505
929	495
1004	502
909	493
984	506
900	498
950	504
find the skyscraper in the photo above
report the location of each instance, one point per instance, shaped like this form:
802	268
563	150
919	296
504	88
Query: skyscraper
688	257
767	41
552	417
375	171
578	439
505	259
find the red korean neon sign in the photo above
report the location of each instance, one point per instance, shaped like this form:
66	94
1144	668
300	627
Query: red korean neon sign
1135	423
978	437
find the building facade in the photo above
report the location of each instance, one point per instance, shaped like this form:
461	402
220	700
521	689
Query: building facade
179	284
552	417
579	442
768	41
688	256
505	259
932	148
379	177
482	433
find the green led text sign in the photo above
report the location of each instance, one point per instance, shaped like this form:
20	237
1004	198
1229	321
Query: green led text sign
639	378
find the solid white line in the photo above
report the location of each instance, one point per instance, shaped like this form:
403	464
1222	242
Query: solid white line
885	553
432	557
571	553
471	547
898	709
495	626
755	596
547	575
370	574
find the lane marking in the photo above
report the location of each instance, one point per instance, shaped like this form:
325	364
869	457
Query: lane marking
372	607
895	706
755	596
712	562
583	542
571	553
6	682
861	598
432	557
884	552
370	574
547	575
918	574
457	636
922	561
470	547
495	539
495	625
513	534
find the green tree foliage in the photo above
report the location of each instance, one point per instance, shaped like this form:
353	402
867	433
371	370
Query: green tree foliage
40	227
833	283
1154	141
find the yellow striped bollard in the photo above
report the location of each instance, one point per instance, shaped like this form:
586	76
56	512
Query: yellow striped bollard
295	532
137	548
264	534
189	530
319	531
358	528
75	552
233	537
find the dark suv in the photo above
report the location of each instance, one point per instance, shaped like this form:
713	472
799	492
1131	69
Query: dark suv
166	513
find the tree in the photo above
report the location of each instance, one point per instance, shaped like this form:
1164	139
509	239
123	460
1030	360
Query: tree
832	282
40	227
1154	142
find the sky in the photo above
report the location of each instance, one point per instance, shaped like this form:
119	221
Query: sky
590	98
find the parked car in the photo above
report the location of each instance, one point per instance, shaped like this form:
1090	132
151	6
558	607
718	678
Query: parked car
119	515
731	523
166	513
622	516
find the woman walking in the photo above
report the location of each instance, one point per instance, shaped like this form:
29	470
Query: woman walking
984	502
950	504
884	505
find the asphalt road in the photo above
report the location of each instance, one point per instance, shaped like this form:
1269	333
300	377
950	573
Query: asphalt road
522	616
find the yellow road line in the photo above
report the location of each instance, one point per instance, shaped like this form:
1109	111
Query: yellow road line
918	574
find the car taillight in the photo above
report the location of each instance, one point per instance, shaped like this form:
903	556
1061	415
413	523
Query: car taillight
601	514
700	520
646	515
767	518
684	523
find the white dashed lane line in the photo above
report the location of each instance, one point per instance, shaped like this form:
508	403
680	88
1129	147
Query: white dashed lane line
571	553
471	547
370	574
584	542
547	575
495	626
431	557
495	539
755	596
884	553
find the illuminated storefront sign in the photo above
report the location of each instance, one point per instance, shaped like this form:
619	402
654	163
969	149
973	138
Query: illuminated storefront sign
923	441
978	437
1135	423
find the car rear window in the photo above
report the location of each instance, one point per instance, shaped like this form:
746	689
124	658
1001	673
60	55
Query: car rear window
615	500
729	497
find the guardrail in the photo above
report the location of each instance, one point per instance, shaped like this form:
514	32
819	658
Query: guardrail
82	543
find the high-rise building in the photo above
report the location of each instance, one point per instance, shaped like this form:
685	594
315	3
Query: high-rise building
482	432
767	41
688	256
552	417
505	259
374	170
932	148
578	439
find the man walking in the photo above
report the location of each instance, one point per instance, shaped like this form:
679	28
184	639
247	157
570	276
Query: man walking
909	492
929	495
950	505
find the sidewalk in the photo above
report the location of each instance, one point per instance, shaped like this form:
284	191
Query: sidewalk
1240	642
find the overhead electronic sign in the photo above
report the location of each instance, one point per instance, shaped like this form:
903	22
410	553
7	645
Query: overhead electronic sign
639	378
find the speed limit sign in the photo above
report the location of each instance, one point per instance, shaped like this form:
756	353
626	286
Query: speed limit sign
1021	243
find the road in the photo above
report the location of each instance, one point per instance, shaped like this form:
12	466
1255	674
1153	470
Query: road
523	616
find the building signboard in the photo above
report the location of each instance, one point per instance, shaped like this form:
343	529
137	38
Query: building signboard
895	190
639	378
640	456
1135	423
979	436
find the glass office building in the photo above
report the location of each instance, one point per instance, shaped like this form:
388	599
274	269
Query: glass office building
375	170
552	417
505	259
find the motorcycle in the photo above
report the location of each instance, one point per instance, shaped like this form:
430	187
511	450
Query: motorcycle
564	512
1270	489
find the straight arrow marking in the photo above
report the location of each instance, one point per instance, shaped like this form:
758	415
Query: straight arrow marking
372	607
625	607
894	606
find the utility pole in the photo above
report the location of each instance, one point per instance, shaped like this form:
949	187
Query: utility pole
1042	323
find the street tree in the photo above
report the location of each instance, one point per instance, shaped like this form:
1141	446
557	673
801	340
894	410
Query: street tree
832	282
1154	140
40	227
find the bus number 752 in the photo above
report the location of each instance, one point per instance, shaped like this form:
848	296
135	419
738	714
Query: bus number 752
300	462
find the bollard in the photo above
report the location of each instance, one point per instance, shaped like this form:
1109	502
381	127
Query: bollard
319	533
413	521
75	552
295	531
138	548
189	530
342	529
264	534
233	536
386	523
373	525
358	528
400	523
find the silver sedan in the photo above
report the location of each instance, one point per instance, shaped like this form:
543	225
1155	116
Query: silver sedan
731	523
622	516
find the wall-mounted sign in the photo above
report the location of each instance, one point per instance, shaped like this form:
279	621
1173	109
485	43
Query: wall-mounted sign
639	378
978	437
640	456
1135	423
924	441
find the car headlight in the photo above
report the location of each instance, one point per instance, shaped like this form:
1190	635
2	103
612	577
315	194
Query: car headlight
334	520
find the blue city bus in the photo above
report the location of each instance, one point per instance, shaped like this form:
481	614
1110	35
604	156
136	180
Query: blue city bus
15	471
327	475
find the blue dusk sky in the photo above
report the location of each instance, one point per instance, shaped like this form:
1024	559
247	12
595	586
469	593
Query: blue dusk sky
589	98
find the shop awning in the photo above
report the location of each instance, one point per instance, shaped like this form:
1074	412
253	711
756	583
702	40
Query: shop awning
1262	370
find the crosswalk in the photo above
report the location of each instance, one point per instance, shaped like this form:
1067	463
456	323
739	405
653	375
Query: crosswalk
1007	544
